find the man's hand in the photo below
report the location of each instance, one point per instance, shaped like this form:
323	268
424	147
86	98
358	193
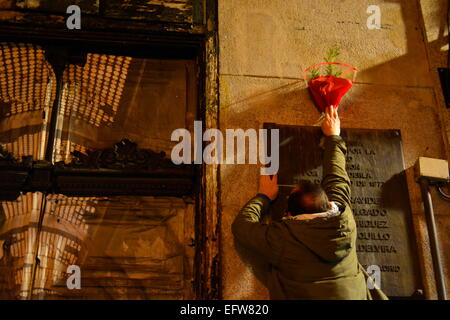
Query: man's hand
331	125
269	186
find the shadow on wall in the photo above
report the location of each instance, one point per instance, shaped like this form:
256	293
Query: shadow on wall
261	104
396	68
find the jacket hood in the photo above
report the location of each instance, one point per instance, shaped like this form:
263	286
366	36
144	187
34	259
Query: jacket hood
326	233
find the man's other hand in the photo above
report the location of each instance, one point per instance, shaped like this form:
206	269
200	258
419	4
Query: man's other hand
331	125
268	185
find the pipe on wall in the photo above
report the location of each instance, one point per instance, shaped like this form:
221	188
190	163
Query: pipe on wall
434	244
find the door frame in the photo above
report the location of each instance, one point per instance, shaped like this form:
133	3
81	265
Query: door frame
199	46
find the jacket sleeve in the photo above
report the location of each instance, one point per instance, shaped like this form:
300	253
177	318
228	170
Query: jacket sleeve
336	182
251	233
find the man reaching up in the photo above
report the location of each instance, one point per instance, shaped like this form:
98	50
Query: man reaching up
312	251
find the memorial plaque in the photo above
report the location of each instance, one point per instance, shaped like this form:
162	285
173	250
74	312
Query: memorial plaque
379	196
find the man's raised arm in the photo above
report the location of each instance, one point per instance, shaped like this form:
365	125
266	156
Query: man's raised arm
335	182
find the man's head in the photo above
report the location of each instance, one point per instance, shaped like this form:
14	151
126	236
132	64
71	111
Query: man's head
307	197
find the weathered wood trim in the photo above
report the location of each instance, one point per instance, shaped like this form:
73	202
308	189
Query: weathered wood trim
209	278
198	12
96	13
92	23
87	6
122	170
151	10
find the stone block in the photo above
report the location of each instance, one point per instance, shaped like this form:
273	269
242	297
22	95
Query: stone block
435	169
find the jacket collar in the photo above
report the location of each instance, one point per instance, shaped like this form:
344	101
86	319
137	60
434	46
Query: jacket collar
334	211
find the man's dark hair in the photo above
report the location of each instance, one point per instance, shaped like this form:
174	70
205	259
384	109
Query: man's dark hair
309	198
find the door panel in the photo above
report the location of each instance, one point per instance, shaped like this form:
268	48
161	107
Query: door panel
125	247
128	247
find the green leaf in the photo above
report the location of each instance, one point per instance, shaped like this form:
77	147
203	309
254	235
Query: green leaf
314	73
332	55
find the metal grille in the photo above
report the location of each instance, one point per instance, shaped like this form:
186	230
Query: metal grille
24	78
60	241
27	88
16	261
92	93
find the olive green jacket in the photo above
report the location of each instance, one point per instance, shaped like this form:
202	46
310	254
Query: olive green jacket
312	258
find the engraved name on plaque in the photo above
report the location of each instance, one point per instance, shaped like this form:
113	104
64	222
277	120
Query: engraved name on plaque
379	196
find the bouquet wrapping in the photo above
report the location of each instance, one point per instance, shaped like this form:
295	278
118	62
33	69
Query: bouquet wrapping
328	82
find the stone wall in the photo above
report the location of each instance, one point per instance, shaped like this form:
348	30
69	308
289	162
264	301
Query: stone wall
142	15
265	45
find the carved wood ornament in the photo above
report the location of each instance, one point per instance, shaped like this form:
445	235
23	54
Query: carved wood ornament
123	169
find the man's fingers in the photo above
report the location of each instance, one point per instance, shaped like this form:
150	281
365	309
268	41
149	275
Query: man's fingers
328	111
335	113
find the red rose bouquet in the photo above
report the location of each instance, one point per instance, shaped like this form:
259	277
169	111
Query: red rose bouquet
329	81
